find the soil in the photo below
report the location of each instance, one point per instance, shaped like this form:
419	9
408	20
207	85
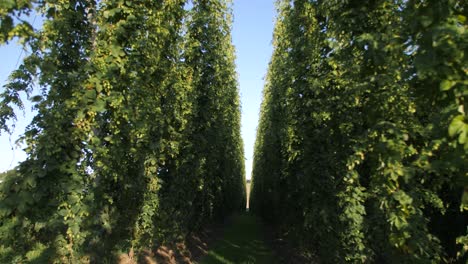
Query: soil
285	251
197	245
191	250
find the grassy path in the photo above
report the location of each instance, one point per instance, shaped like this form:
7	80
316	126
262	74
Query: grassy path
242	242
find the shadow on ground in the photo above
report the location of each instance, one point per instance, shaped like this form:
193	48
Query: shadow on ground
243	242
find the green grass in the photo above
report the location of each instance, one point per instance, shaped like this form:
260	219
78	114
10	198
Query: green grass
242	243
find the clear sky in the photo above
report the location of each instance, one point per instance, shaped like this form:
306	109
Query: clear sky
251	34
10	153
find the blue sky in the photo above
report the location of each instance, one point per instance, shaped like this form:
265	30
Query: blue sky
10	153
251	35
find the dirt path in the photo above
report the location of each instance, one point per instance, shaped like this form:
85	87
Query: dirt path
242	242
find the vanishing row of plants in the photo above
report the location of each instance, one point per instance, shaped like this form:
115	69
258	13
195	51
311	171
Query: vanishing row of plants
361	149
136	137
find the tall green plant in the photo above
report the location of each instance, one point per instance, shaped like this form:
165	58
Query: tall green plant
124	150
364	167
268	158
215	125
43	208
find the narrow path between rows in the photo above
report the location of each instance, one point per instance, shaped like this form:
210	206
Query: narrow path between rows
242	242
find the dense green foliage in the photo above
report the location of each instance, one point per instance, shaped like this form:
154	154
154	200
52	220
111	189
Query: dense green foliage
361	150
214	128
137	135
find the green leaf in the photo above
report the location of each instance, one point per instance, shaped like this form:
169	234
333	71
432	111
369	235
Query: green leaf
461	18
63	212
36	99
425	21
90	94
446	85
464	200
99	105
457	125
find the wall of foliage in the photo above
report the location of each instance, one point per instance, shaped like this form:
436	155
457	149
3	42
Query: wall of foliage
136	140
361	150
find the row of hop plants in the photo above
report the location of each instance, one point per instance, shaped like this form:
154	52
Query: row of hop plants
135	139
361	149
